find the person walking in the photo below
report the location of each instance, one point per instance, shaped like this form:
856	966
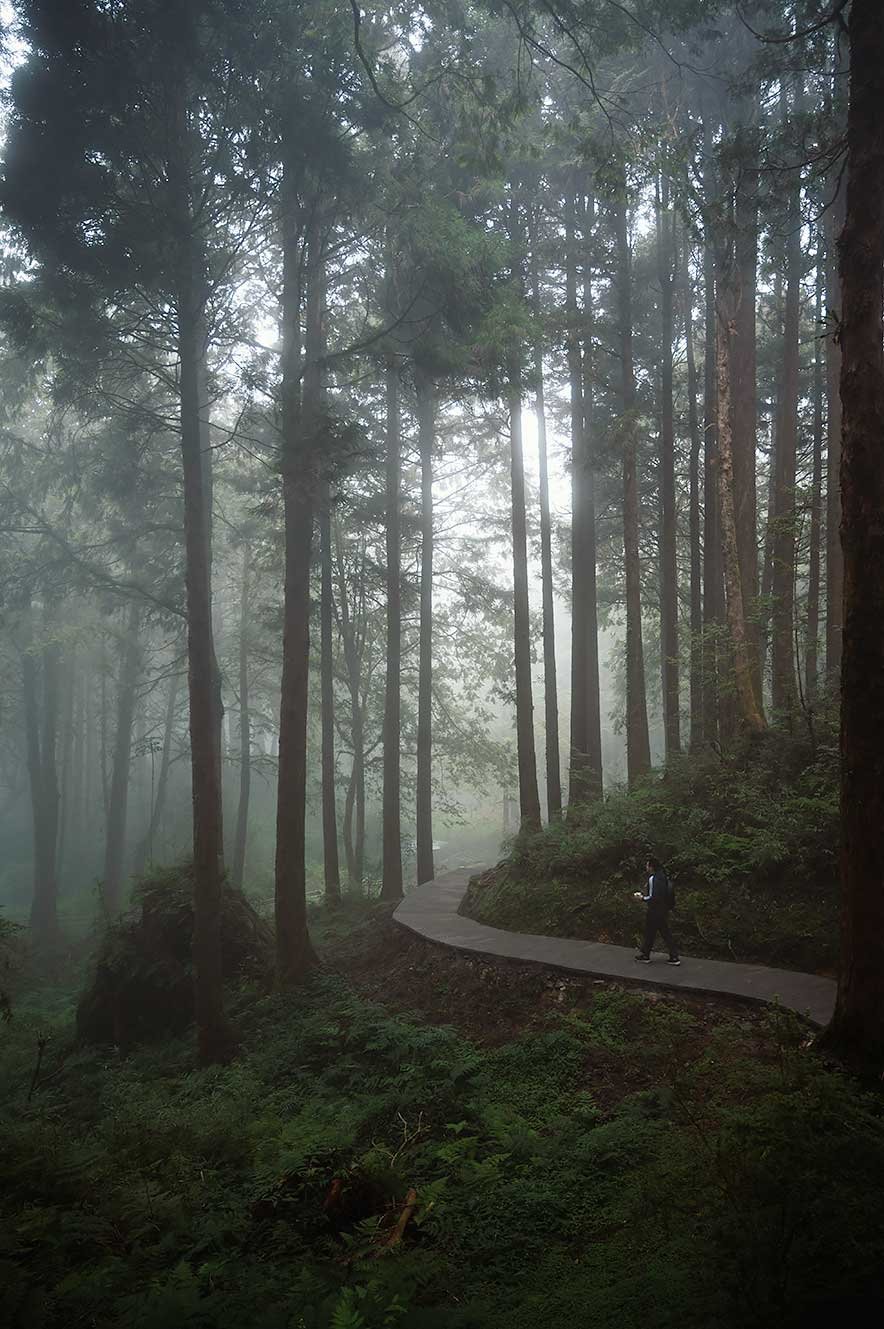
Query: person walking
660	900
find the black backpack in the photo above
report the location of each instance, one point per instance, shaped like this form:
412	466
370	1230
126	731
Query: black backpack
670	888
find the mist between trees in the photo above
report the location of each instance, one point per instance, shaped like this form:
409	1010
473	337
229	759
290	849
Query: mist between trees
403	411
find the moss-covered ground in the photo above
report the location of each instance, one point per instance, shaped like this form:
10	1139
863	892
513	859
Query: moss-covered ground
415	1139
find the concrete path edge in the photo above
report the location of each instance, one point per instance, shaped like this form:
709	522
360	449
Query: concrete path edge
431	911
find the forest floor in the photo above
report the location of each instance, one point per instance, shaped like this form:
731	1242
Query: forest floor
490	1001
422	1139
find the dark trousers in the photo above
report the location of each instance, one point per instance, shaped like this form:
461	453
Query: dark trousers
658	921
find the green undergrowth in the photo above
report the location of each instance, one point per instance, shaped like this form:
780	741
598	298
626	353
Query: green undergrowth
738	1185
751	840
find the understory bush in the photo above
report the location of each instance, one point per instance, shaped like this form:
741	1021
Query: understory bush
751	840
142	982
355	1168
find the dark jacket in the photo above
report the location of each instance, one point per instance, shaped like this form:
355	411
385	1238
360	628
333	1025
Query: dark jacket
659	893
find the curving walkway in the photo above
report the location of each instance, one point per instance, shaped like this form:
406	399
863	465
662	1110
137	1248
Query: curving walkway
430	911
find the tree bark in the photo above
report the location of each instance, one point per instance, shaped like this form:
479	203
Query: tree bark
811	644
44	919
67	792
529	798
91	763
391	883
42	777
696	584
668	534
331	864
747	702
767	567
585	742
590	618
744	391
204	685
52	665
638	750
857	1028
712	582
115	839
105	777
783	552
426	413
77	812
834	221
237	873
315	350
355	797
144	852
347	826
550	684
294	952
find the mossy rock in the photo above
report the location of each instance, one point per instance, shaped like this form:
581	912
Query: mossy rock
142	987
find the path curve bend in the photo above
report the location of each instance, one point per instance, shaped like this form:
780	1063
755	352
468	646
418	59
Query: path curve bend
430	911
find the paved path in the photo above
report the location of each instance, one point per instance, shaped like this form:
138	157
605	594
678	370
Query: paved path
431	911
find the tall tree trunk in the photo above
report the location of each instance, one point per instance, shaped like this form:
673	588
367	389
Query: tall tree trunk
529	798
858	1024
52	667
638	749
712	583
205	408
767	567
138	773
550	686
744	390
331	865
391	883
237	872
749	711
144	852
696	587
41	757
588	578
783	554
579	757
426	413
78	813
294	953
69	789
355	798
585	743
359	838
347	827
668	533
204	685
115	840
203	688
91	763
834	221
811	647
44	921
313	428
104	669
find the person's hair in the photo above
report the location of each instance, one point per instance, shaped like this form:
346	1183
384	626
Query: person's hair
653	862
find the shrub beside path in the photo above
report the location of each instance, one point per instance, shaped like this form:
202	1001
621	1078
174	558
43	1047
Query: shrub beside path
430	911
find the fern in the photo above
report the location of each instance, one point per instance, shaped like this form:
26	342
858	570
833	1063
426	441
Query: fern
345	1314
